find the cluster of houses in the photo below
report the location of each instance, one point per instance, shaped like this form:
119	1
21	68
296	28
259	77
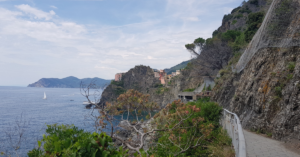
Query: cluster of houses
160	74
163	77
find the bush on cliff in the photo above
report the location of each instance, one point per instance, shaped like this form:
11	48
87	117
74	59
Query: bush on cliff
189	139
68	140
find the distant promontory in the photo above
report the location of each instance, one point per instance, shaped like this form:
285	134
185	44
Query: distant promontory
68	82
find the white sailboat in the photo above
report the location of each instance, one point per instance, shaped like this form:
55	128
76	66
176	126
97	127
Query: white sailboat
45	97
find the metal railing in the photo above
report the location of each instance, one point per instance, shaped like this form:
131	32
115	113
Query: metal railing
232	124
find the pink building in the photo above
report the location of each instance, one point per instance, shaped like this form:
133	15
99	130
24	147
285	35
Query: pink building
118	76
162	75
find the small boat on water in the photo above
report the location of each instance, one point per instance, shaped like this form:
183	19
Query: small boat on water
45	97
87	103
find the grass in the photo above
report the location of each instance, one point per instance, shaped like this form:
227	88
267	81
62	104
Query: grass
189	90
269	134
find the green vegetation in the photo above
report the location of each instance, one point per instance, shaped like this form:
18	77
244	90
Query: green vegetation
208	88
216	32
161	90
234	59
235	10
284	8
199	41
203	124
158	85
290	76
269	134
278	91
234	22
119	87
245	10
190	46
254	2
119	90
117	83
227	17
254	21
239	16
67	141
291	66
189	90
230	35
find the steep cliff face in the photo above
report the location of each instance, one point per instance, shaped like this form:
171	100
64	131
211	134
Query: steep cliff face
266	93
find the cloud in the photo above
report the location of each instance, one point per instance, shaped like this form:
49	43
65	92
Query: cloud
54	7
195	19
37	43
35	13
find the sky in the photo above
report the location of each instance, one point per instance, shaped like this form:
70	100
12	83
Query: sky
98	38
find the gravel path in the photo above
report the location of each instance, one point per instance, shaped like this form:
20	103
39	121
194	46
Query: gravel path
260	146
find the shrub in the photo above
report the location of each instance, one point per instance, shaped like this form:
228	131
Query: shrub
230	35
209	88
239	16
119	90
278	91
68	140
234	22
215	33
161	90
290	76
245	10
158	85
117	83
227	17
254	21
208	129
223	72
291	66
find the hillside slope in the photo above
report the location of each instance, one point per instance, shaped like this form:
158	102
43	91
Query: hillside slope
68	82
177	67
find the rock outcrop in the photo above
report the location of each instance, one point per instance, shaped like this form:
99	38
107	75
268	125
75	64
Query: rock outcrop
141	78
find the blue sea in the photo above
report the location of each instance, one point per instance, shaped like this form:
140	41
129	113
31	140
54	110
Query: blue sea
25	106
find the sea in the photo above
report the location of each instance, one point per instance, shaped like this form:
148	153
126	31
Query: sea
23	109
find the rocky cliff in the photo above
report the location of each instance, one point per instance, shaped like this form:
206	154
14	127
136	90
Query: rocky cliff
142	78
266	93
